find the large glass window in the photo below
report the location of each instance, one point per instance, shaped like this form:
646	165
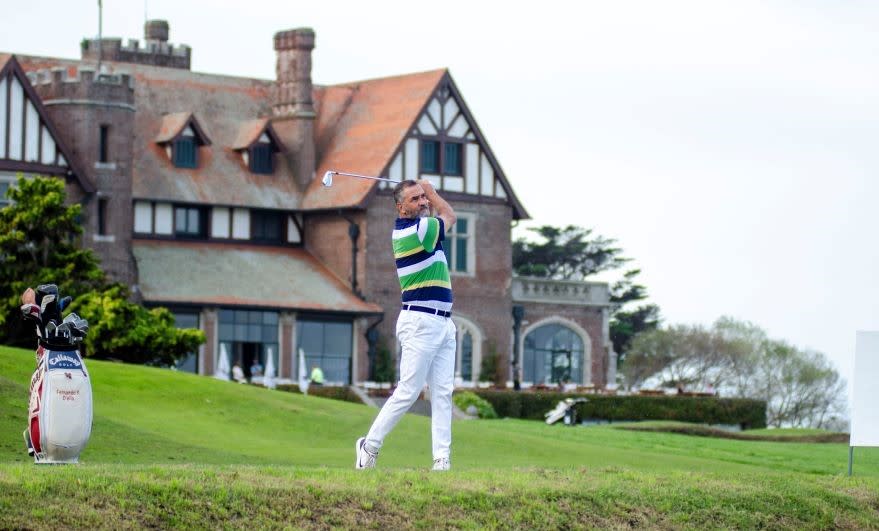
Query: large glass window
249	337
327	344
189	363
553	354
459	245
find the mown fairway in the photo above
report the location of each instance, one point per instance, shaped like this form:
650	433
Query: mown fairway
176	450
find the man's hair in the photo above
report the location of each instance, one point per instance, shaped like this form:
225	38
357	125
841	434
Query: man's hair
401	188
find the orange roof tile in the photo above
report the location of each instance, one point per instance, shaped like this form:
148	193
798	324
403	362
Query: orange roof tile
249	132
171	125
359	128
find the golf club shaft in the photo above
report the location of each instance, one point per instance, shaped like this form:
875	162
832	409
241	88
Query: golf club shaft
365	176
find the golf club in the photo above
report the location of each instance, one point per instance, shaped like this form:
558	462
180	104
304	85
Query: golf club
328	177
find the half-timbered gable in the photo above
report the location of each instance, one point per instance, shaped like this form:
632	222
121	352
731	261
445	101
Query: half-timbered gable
29	143
446	147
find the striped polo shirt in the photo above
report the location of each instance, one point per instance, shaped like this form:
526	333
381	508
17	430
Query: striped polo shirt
421	262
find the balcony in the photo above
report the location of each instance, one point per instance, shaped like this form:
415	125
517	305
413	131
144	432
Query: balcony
531	289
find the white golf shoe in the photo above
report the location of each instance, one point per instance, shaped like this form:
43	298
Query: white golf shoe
442	463
365	458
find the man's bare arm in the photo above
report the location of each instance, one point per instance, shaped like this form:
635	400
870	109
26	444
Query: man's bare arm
443	209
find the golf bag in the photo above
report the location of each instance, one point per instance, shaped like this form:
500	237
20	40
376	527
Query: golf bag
60	408
566	409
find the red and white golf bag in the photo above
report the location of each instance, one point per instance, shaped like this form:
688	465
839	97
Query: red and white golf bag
60	409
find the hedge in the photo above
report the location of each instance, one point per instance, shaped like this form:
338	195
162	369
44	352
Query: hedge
747	413
342	392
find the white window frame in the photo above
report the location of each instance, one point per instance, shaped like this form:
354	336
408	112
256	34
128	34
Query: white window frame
450	241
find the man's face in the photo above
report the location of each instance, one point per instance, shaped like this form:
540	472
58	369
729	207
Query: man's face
414	204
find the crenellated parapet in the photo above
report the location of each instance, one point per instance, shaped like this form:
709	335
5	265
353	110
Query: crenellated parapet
82	85
156	50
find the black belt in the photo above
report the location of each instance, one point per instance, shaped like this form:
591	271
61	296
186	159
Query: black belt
426	310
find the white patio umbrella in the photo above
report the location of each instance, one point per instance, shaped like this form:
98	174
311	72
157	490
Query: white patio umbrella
222	372
303	376
268	378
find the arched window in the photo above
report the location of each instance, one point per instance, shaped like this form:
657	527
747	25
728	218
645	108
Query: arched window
553	353
468	358
465	361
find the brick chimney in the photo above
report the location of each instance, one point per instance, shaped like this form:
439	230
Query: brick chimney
293	99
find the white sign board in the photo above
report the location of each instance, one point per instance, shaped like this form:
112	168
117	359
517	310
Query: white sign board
865	392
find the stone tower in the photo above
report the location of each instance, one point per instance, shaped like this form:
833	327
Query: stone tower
96	114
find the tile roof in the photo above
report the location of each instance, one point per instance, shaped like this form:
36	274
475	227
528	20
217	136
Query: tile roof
199	272
359	128
171	125
221	105
248	133
3	58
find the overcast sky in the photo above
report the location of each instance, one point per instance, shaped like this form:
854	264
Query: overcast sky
730	147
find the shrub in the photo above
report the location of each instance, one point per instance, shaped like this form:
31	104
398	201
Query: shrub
465	399
341	392
747	413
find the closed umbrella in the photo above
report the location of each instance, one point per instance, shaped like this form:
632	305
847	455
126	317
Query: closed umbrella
268	378
222	372
303	377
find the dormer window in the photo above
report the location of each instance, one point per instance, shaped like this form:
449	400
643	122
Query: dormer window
181	136
261	155
257	143
184	150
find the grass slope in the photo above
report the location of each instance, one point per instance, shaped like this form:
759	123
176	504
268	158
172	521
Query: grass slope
175	450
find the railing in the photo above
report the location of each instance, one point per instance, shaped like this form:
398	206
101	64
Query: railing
560	291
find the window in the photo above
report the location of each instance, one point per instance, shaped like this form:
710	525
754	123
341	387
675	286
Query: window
102	215
5	185
188	363
185	152
188	222
265	226
553	354
326	344
103	141
452	163
261	158
430	156
459	246
143	217
248	338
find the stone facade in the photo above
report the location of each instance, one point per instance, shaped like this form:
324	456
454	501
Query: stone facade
81	106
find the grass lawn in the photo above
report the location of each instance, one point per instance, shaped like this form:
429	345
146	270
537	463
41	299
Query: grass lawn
176	450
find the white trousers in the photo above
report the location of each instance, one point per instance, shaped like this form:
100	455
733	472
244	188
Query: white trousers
429	349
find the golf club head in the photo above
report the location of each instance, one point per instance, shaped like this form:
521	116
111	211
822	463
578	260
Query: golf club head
47	298
328	179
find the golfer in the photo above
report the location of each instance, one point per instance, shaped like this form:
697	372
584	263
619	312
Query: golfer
424	328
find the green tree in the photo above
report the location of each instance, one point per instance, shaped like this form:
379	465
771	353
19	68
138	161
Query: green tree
40	244
569	253
627	323
735	358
